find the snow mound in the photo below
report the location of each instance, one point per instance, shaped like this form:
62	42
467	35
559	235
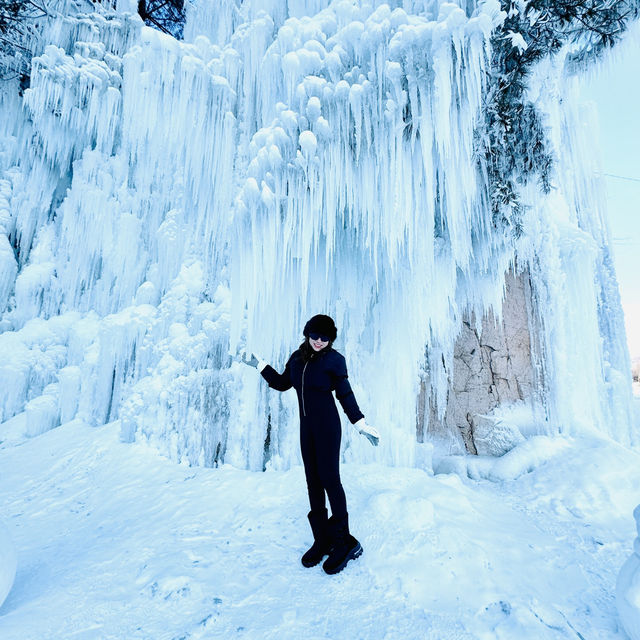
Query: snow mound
524	458
8	563
200	553
628	588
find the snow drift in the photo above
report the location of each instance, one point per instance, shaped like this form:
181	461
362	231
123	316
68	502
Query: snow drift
628	588
8	563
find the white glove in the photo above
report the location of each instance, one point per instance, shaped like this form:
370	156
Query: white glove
371	434
253	361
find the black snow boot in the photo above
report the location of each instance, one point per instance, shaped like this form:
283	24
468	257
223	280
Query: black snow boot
345	546
321	539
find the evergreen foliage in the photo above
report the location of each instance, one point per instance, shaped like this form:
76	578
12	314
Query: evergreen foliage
165	15
512	136
19	23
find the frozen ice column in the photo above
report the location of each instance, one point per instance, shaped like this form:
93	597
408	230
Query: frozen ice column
628	587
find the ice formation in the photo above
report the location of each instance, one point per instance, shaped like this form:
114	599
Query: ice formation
628	588
164	204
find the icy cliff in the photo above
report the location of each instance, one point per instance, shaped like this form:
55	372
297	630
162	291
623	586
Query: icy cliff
164	204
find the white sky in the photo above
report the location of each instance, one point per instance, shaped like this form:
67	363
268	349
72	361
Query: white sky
615	88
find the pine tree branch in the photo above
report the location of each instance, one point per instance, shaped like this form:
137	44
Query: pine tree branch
160	26
13	44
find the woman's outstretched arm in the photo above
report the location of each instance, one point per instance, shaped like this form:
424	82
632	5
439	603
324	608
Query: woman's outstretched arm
344	392
347	399
277	381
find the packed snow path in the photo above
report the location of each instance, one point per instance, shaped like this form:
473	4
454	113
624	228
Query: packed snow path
116	542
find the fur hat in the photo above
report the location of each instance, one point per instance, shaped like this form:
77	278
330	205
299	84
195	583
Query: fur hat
321	324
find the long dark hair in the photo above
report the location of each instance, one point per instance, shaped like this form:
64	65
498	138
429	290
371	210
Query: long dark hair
308	352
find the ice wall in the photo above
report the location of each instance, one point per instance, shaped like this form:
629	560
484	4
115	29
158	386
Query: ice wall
582	332
164	204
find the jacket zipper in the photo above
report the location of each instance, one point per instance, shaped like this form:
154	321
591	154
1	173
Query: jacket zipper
303	370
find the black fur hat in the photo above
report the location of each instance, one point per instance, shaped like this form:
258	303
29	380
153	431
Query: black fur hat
321	324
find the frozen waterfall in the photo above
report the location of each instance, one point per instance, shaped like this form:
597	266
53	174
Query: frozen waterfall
164	204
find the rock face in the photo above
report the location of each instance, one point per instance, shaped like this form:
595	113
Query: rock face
490	367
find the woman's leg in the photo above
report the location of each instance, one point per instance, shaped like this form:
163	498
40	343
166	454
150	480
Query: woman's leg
344	546
327	449
315	487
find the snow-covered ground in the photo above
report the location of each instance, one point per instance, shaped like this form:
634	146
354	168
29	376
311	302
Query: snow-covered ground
115	541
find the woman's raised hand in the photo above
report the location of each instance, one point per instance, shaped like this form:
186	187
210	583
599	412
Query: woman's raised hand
369	432
249	359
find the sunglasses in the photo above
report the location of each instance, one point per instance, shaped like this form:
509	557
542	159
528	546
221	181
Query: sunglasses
319	336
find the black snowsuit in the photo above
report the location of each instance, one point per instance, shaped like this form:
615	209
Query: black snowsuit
320	430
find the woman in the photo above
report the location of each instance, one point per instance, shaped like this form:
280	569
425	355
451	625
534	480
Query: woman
315	370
